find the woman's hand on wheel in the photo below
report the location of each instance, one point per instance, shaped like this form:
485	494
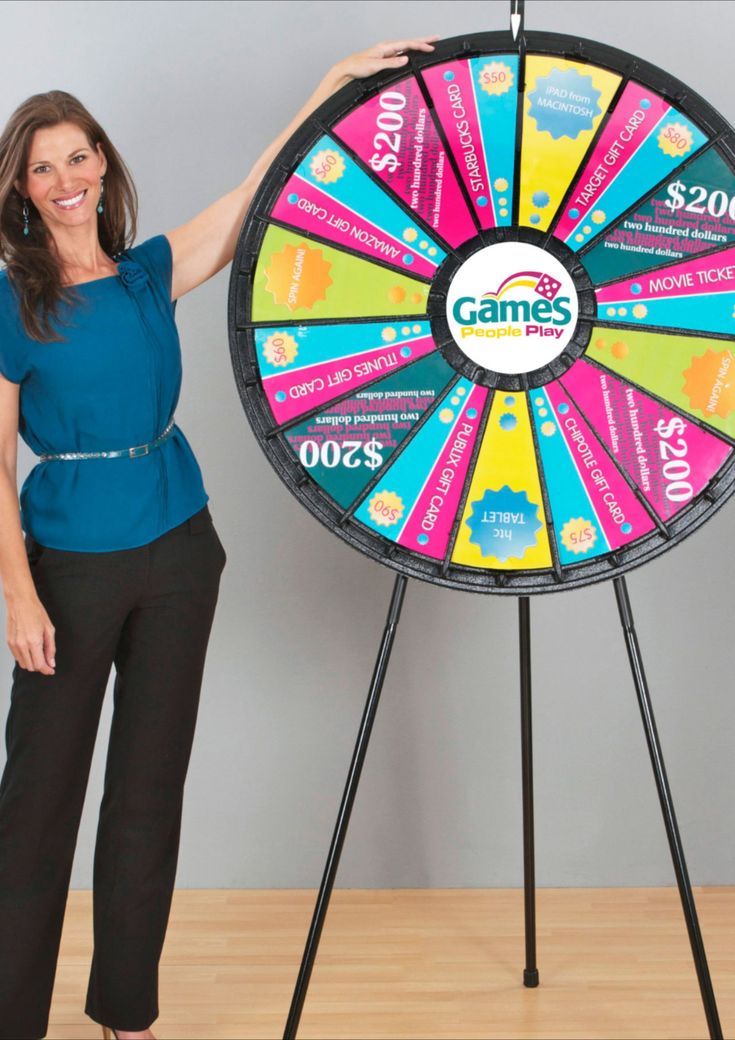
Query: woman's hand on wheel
378	58
31	636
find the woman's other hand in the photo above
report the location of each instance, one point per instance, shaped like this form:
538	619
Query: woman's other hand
31	635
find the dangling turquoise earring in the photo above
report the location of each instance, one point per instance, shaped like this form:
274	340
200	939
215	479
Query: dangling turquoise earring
26	218
100	204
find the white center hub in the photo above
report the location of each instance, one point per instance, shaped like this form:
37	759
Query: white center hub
512	307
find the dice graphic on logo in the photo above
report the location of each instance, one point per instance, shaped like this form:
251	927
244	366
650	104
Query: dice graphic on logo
547	287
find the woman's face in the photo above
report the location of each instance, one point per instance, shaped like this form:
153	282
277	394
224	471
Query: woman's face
62	177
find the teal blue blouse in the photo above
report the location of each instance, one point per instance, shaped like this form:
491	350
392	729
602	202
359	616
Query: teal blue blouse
113	383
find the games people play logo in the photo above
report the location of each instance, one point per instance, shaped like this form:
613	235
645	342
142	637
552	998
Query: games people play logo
512	307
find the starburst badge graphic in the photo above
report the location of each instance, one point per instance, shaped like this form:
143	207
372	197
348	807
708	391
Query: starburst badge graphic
578	535
495	78
709	383
564	120
675	139
385	508
280	349
504	524
298	276
327	166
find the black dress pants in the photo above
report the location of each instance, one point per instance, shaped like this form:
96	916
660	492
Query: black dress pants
148	611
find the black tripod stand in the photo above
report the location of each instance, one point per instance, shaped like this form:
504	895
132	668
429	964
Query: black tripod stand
530	973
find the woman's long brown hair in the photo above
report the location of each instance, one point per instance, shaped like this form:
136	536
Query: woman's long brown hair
32	266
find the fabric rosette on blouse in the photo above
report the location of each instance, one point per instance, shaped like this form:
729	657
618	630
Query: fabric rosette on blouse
132	275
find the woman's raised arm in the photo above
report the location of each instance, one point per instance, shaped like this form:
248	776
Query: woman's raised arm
206	244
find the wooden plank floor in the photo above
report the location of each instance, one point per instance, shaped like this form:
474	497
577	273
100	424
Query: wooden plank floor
614	963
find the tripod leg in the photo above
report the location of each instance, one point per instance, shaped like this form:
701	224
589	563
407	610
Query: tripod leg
667	807
345	809
530	972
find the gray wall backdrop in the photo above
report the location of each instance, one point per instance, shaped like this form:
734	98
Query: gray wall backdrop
191	93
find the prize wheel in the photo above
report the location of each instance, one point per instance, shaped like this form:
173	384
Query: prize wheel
482	308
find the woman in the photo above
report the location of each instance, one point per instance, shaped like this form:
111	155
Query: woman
121	562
